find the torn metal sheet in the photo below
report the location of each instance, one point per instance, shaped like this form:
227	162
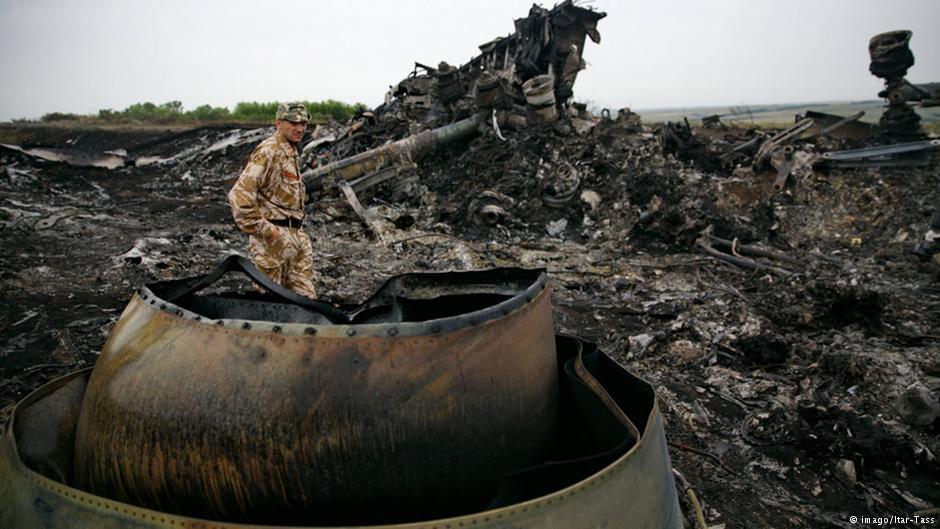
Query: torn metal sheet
237	137
353	200
789	161
73	157
916	153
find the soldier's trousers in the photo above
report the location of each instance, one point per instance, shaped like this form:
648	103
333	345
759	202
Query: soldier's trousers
288	260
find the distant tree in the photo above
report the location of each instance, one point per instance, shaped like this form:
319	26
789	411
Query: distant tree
249	111
254	111
331	108
172	107
59	116
209	113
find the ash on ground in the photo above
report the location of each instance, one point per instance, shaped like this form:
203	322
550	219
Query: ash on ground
795	393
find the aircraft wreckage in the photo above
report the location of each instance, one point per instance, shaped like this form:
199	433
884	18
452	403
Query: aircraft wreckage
518	80
444	400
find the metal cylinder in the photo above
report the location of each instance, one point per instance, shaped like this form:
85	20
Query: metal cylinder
487	91
540	90
192	412
540	98
631	489
410	148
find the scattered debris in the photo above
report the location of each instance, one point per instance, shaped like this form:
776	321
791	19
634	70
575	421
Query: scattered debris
846	469
918	406
556	227
776	306
75	157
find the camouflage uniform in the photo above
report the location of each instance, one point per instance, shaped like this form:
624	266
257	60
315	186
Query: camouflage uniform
270	189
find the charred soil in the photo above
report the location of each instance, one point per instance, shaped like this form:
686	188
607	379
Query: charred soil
782	386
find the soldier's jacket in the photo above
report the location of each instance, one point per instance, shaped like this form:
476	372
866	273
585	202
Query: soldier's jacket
270	188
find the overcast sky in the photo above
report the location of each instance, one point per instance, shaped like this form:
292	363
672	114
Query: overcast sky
82	56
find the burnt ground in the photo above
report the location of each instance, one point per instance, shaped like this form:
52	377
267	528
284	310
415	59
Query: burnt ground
780	388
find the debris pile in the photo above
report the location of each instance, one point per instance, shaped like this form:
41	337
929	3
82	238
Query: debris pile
544	52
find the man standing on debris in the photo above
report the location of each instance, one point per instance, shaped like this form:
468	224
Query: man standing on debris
267	203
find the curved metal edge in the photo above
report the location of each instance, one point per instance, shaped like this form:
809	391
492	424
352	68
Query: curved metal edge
177	289
533	292
37	394
29	500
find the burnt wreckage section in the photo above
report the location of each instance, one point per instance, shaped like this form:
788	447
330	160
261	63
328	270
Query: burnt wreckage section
546	42
444	399
891	57
605	440
517	81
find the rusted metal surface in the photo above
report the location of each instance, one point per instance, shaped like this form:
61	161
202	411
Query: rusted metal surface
610	466
447	384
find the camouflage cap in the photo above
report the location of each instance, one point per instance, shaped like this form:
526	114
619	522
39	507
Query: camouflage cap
294	111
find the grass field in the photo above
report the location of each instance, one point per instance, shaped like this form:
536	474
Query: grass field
780	114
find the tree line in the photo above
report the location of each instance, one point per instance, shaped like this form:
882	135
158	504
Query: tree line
173	112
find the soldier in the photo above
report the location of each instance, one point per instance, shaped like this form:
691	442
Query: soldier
267	203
